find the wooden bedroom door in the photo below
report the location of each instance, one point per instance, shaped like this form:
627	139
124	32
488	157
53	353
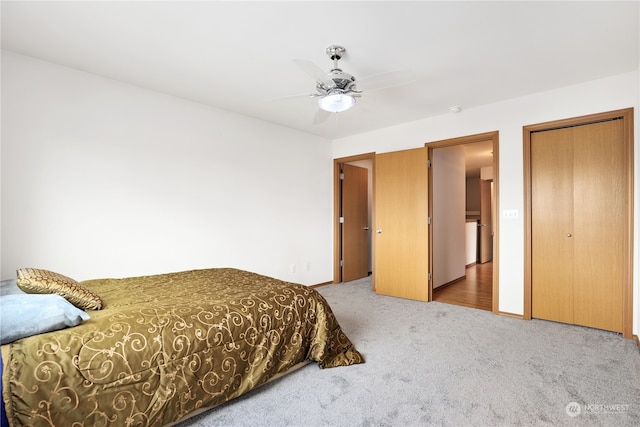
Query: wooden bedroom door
579	224
400	260
355	222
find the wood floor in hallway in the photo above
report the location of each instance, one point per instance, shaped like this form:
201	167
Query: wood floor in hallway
474	291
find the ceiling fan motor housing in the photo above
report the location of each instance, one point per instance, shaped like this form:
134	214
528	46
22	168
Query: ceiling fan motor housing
344	82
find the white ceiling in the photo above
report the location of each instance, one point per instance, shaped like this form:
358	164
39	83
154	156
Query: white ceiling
238	55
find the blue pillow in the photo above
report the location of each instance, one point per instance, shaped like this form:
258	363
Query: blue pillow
31	314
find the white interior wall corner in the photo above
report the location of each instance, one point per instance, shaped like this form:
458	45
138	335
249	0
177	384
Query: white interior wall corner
105	179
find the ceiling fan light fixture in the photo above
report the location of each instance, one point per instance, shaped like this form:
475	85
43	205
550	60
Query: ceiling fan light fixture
336	102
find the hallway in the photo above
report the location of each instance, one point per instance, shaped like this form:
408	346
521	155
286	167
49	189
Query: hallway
474	291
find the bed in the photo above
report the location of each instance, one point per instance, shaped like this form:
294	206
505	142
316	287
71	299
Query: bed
161	348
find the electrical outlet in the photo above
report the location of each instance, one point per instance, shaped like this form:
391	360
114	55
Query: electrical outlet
293	268
308	266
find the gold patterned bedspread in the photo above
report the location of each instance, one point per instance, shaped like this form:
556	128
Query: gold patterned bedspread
166	345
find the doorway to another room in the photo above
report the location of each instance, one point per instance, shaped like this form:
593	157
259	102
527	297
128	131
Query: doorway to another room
462	208
475	282
475	290
353	217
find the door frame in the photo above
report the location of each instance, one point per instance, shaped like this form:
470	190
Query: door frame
470	139
337	208
627	294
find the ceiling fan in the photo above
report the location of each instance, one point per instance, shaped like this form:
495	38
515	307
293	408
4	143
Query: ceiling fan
336	91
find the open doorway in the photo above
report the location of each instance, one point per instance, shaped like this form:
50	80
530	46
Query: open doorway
462	207
353	194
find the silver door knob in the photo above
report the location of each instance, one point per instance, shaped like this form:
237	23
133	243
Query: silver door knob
568	234
366	227
379	231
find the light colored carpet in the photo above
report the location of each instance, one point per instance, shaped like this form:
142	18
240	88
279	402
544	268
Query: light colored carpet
444	365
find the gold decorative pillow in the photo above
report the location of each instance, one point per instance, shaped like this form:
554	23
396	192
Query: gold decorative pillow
38	281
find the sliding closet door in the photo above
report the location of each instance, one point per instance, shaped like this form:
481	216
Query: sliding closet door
400	224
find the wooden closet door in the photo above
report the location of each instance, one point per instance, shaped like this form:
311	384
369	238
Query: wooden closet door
552	225
400	261
599	212
578	224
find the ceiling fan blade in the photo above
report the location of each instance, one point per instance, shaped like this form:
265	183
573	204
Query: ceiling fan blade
298	96
316	72
321	116
385	80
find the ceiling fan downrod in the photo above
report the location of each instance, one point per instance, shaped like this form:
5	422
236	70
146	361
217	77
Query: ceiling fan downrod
335	52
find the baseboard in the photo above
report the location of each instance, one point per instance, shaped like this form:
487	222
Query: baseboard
507	314
459	279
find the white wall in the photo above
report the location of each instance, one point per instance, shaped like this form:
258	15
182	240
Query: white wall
104	179
449	212
508	117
